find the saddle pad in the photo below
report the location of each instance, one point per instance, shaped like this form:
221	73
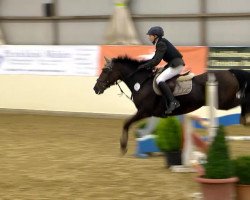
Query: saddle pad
181	88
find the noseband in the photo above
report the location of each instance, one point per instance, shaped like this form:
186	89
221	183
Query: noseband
106	83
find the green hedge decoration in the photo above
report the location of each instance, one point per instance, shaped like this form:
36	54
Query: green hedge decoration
219	165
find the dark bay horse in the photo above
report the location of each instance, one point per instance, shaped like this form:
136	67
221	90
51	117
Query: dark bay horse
233	90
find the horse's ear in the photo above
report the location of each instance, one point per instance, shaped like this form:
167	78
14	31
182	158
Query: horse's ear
107	60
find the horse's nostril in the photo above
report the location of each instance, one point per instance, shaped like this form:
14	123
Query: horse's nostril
95	89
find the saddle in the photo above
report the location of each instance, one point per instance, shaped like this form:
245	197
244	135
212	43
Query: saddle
179	85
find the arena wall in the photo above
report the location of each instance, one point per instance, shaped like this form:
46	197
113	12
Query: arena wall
26	86
39	78
73	94
68	95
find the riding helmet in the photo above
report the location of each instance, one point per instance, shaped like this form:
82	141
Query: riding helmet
156	30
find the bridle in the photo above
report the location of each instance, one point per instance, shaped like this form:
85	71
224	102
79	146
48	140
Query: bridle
106	83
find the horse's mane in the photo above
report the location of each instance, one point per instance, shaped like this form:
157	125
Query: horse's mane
129	61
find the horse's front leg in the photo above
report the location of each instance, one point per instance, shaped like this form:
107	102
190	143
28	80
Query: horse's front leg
124	137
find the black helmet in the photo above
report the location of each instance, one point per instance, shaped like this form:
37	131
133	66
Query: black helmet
156	30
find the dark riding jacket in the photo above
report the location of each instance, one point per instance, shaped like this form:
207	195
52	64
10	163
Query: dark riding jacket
166	51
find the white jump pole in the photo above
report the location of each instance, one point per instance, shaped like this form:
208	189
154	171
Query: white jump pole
189	156
187	150
212	103
188	145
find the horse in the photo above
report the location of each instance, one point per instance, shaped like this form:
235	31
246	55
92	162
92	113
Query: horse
233	90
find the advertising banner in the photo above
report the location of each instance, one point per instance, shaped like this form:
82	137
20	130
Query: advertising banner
83	60
49	60
222	58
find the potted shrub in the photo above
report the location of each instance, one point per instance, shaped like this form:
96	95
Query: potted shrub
218	182
242	171
169	139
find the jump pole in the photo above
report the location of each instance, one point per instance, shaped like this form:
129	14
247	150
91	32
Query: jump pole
188	145
187	150
212	103
189	156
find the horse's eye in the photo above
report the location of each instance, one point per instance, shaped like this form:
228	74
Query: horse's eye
105	69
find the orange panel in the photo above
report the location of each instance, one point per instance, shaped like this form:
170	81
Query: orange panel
194	57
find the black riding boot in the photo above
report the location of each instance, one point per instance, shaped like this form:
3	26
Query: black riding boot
169	97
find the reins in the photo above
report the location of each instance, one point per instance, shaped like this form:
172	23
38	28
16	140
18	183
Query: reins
122	92
131	74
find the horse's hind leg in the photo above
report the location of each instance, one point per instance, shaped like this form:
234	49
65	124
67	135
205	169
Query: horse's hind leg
245	111
245	117
124	137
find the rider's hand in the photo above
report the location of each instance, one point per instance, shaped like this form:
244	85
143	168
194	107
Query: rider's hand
141	67
144	67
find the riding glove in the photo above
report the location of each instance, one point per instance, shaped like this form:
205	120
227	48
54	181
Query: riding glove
144	67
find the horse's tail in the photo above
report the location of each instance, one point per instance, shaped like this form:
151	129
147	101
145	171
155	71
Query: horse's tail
243	78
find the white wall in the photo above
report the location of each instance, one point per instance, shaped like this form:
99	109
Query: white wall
85	7
73	94
21	8
165	6
180	32
228	32
28	33
80	32
228	6
186	36
61	93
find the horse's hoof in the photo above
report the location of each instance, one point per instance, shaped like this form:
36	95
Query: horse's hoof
245	120
123	151
123	144
123	148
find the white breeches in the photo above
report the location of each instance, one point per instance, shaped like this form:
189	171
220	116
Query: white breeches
169	73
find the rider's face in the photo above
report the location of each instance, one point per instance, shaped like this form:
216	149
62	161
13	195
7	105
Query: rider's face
151	38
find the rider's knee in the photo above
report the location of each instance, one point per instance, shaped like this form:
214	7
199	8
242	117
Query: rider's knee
159	79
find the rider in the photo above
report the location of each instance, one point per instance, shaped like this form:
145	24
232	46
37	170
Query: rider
166	51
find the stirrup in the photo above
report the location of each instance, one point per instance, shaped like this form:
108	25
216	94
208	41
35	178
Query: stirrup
172	106
175	103
168	110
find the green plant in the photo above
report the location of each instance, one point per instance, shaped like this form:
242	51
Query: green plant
242	169
219	165
169	134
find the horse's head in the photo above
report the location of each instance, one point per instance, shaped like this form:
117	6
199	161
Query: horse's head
108	77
